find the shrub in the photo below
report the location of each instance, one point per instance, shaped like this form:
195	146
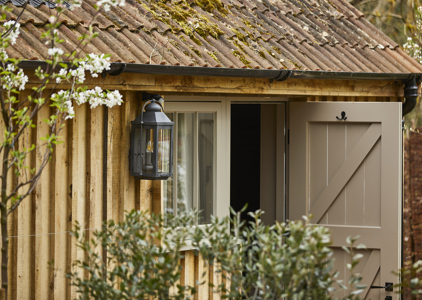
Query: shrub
283	261
142	258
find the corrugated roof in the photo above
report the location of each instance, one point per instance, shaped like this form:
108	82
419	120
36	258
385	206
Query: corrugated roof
326	35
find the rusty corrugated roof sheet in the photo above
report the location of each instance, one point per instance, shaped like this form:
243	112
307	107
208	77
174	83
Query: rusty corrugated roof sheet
326	35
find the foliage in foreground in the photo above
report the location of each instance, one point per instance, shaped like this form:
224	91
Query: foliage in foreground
254	261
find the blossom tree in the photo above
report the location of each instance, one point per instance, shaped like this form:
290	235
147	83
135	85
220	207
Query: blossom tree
18	114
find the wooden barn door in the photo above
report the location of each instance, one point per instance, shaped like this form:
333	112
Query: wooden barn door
347	174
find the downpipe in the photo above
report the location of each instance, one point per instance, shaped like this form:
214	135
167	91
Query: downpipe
410	94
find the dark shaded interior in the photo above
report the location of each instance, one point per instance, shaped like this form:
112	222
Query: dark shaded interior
245	157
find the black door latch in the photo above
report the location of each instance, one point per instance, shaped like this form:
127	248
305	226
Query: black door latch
388	287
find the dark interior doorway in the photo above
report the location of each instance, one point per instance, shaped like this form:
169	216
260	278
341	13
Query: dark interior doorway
245	157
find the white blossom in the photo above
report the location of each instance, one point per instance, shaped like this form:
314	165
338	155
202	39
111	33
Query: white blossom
79	75
62	74
55	51
3	55
13	35
97	96
22	79
114	98
64	103
96	64
11	80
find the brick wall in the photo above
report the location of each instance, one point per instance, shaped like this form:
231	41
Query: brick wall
412	197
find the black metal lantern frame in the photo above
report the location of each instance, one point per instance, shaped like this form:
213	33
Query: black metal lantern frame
151	142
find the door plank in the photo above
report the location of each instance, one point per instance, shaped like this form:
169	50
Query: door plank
370	271
329	194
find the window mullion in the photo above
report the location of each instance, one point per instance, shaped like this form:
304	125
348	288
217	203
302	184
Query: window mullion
195	165
175	169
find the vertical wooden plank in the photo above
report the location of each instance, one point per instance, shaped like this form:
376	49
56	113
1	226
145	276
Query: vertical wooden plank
318	135
12	229
24	224
113	163
61	198
201	278
157	199
79	179
337	156
372	213
128	111
355	187
217	280
339	256
146	195
42	214
96	170
188	277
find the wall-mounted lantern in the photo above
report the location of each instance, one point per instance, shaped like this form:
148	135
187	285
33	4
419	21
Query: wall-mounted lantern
151	142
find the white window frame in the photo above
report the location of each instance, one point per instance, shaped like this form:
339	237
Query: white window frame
178	104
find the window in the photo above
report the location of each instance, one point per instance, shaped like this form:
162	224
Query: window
199	156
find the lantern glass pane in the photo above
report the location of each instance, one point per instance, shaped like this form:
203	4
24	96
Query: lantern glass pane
147	150
164	150
137	155
206	165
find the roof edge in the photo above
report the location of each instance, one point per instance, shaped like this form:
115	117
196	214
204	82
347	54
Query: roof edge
274	75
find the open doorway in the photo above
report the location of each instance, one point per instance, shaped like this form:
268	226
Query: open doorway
258	159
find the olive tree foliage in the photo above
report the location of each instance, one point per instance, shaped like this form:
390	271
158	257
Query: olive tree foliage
142	258
253	261
20	114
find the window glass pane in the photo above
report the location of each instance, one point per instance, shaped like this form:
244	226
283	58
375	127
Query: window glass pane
185	157
168	184
206	165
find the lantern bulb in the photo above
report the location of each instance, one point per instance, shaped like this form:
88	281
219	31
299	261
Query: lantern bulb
149	147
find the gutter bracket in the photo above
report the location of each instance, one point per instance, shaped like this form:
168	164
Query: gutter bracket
115	72
284	75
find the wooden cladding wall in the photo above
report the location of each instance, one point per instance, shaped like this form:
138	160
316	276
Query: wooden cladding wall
87	181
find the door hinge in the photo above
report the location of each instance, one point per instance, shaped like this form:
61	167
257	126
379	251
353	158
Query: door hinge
388	287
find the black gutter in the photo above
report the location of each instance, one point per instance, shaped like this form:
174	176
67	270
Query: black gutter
255	73
276	75
409	79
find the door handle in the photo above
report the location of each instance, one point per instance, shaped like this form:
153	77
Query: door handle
388	287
